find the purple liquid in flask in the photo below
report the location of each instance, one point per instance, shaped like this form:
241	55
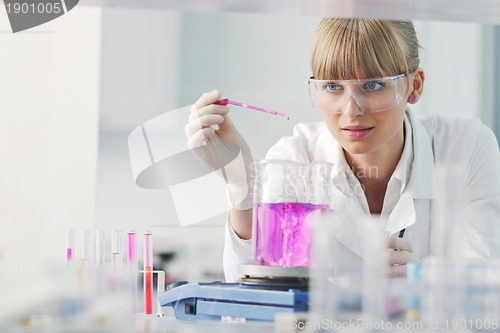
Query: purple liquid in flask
283	232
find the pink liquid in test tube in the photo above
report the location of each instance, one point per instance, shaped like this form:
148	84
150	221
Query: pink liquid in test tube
132	248
70	244
148	275
132	263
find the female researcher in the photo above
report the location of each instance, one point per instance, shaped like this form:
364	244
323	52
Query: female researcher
384	157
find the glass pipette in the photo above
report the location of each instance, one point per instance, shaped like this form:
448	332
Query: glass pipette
227	101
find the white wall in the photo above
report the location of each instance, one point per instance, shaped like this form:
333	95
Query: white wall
49	91
138	82
458	59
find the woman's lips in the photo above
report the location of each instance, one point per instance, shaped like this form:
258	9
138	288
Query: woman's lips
356	132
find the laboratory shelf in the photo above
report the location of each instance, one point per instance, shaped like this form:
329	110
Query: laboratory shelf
480	11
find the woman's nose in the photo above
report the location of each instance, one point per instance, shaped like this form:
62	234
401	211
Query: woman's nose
352	108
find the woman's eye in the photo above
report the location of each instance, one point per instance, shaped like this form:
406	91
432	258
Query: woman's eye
374	85
331	87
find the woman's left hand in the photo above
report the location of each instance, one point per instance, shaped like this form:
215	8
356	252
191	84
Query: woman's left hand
400	253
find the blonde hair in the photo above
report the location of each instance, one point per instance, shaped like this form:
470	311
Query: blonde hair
363	48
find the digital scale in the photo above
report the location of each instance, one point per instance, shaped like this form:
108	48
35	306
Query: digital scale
262	292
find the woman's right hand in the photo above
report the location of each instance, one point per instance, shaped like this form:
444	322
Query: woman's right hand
212	135
216	141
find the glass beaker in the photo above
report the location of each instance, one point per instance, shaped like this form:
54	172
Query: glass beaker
288	197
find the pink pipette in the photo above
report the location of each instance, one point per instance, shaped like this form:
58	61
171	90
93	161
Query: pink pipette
227	101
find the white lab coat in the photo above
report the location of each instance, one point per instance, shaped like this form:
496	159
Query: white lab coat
439	146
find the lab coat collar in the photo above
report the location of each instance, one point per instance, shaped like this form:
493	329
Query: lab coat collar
404	166
422	182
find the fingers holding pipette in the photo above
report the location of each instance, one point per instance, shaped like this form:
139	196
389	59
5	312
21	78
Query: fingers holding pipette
210	109
205	106
209	124
197	123
208	98
204	115
205	112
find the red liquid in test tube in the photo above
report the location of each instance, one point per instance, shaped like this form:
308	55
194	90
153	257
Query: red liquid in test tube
148	274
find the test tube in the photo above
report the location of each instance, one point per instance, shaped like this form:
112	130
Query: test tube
99	247
70	244
148	274
116	246
132	264
132	249
84	246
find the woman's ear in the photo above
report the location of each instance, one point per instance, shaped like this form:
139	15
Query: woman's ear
417	85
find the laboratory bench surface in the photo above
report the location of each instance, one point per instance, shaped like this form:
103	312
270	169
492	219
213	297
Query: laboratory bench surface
135	323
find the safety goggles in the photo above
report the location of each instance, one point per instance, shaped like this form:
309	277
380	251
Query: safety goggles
371	95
